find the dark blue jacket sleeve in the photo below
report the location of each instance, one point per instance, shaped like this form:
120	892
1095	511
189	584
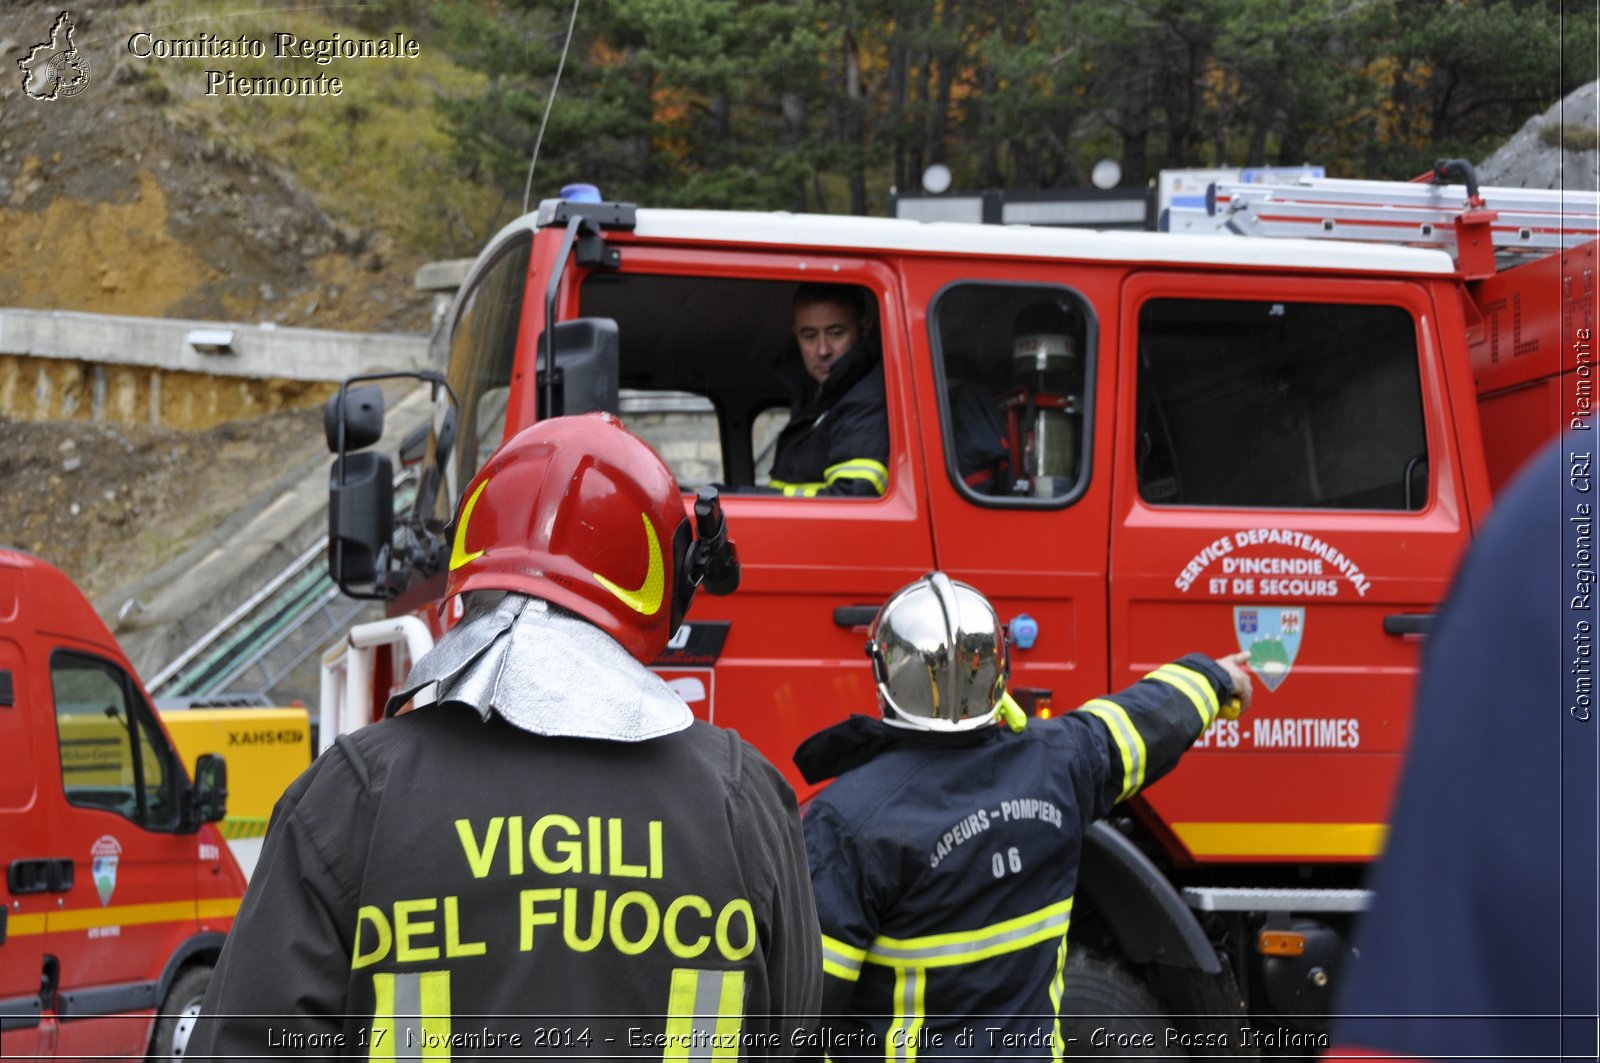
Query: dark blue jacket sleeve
1153	722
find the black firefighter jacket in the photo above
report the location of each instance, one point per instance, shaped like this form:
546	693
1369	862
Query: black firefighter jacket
440	885
944	865
837	439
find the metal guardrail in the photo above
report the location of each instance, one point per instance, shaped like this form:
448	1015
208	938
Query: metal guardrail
256	649
267	650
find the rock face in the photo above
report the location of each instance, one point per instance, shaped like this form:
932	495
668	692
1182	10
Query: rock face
1556	149
111	203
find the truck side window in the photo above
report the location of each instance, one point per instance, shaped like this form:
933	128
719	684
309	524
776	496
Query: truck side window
707	366
113	756
682	427
481	355
769	423
1284	405
1014	360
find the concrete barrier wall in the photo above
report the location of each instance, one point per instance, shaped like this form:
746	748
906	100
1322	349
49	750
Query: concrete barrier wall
62	366
51	389
683	430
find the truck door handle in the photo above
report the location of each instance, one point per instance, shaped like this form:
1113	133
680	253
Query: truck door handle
1407	623
854	615
39	876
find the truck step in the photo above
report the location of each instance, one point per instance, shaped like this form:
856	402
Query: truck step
1253	899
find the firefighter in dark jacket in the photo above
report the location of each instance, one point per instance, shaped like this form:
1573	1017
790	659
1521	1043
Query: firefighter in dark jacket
944	857
546	855
837	440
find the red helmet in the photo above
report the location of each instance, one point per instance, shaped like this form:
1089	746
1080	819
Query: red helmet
581	512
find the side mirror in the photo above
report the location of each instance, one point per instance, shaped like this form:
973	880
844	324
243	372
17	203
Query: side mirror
360	520
208	798
415	446
363	558
360	411
586	367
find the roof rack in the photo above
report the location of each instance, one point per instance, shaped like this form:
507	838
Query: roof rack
1425	212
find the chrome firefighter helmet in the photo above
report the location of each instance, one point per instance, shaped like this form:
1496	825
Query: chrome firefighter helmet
940	656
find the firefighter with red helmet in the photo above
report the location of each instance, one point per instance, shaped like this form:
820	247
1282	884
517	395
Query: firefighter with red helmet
549	855
944	856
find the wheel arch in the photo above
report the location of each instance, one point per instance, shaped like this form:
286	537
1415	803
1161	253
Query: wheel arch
1144	913
1142	916
203	948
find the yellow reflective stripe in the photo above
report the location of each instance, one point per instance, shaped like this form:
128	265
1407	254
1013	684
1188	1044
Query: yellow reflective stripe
796	490
644	599
1282	839
970	946
1058	1044
218	907
382	1031
24	925
435	993
900	1040
1196	687
874	472
730	1016
121	915
680	1014
410	1016
841	960
1128	741
705	1014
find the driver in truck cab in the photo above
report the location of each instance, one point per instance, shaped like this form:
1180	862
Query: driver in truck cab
944	856
836	443
546	855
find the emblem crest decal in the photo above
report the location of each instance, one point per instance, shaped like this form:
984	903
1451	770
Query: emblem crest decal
1271	634
104	854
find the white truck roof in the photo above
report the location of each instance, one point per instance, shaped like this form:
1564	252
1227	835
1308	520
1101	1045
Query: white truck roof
833	232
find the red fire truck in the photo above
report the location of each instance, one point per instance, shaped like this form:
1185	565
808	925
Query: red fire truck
1216	442
119	887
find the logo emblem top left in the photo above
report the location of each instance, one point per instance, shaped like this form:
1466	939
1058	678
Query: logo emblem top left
55	69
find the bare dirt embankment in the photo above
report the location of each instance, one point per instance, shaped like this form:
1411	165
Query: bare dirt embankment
110	503
110	205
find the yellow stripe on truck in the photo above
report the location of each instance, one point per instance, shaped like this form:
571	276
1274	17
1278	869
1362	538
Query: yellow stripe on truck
1282	839
20	926
122	915
218	907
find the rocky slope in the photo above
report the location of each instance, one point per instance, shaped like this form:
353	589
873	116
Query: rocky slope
107	206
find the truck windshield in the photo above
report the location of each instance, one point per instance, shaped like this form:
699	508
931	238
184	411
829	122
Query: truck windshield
483	351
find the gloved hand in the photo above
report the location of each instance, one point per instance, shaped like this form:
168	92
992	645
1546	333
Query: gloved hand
1235	664
1010	713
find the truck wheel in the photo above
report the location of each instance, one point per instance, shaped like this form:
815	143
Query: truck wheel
175	1022
1106	1012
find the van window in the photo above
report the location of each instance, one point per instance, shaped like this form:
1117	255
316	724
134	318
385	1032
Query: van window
708	368
1013	362
482	349
113	756
1282	405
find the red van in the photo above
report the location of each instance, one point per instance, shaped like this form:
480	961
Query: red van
119	888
